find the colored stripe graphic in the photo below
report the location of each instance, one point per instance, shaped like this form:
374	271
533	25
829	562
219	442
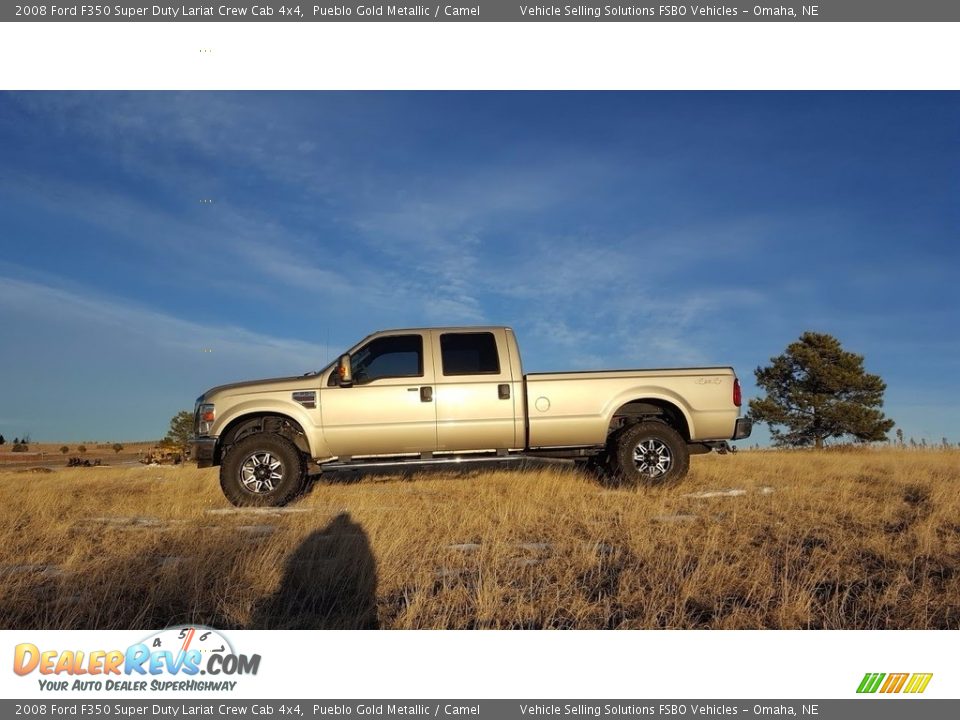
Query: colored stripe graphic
894	683
918	683
870	682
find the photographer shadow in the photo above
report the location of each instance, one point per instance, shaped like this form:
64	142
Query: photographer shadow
329	583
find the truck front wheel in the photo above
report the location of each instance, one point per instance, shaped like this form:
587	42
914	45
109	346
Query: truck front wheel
651	453
262	469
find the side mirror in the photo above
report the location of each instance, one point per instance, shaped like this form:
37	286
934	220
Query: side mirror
345	371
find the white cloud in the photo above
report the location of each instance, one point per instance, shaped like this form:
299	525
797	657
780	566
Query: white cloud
101	313
76	358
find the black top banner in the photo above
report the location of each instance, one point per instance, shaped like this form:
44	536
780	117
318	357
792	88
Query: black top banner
486	11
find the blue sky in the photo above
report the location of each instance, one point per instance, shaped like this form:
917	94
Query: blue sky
626	229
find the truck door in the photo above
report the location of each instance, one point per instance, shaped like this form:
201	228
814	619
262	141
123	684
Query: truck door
391	406
475	395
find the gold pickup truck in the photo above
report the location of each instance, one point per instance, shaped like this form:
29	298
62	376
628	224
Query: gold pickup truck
439	395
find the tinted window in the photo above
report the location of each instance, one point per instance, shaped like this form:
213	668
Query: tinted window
469	354
393	356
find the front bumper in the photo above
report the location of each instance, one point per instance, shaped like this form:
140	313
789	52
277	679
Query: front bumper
742	429
204	451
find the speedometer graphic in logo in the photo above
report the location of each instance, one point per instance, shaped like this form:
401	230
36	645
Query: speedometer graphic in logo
184	638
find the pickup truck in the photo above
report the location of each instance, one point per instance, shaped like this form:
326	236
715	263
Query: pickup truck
439	395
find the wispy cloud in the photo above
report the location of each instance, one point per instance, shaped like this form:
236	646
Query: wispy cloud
598	301
164	331
94	358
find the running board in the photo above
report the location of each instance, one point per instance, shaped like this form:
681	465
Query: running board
420	462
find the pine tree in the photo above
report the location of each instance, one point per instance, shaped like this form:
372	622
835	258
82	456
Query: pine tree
180	434
817	391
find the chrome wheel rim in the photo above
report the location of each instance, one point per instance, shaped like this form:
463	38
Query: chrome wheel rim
652	458
261	472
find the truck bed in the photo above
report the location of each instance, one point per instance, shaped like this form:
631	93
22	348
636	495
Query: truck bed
569	408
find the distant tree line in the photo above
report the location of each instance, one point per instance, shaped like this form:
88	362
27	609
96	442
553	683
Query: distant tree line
19	444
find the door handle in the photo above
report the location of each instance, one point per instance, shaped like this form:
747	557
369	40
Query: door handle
426	394
503	390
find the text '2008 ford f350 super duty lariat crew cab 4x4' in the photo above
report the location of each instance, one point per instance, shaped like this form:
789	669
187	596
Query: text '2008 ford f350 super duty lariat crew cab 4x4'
436	395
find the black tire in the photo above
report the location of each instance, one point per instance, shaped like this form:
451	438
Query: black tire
263	469
650	453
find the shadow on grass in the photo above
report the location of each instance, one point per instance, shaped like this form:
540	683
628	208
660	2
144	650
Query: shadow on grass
330	582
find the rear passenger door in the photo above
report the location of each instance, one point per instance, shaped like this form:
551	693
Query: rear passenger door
474	390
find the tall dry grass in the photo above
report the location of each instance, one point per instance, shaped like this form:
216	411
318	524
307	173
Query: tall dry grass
814	540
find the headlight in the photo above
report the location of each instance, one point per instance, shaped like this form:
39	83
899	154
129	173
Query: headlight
205	417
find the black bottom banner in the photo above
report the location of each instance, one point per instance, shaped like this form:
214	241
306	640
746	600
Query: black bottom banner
868	708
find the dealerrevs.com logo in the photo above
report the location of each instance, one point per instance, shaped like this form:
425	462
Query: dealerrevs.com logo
912	683
173	659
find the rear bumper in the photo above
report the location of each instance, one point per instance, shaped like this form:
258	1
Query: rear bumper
204	451
742	429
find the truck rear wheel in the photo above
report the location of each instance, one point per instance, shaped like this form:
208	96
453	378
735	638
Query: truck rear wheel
263	469
650	453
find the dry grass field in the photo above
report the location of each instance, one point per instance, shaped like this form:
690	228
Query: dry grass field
50	454
754	540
